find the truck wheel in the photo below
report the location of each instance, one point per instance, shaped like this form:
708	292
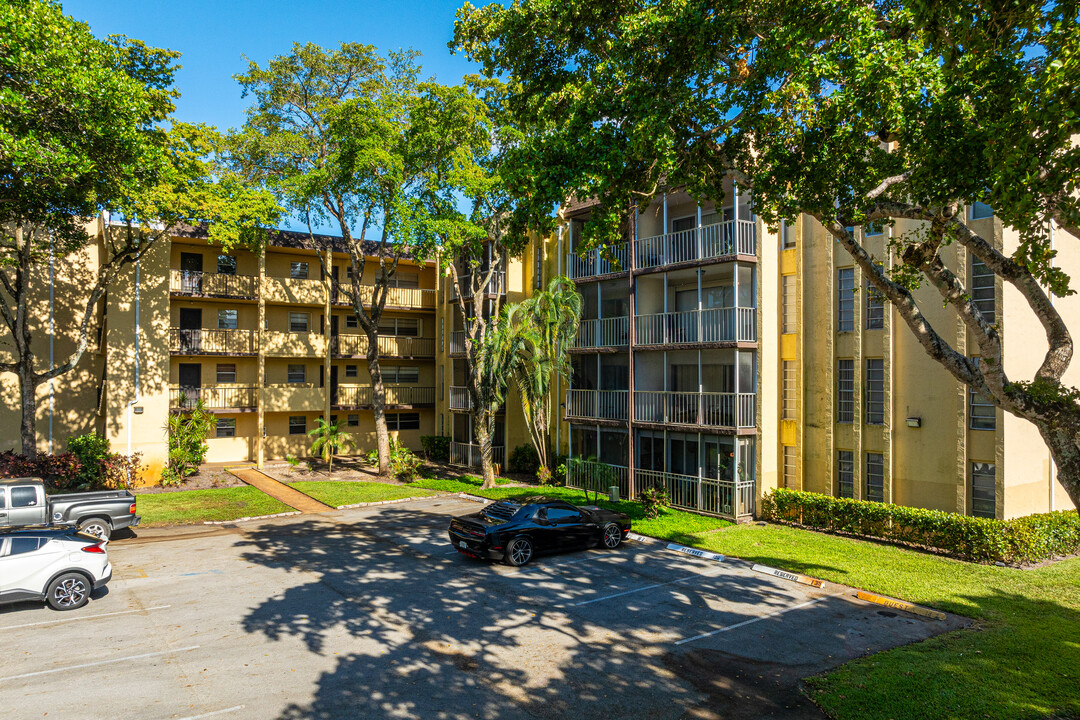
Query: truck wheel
70	591
96	527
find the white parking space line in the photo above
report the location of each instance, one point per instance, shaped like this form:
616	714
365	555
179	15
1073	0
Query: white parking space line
213	713
100	662
556	566
647	587
84	617
751	621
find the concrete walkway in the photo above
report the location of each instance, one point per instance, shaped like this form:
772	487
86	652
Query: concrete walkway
279	491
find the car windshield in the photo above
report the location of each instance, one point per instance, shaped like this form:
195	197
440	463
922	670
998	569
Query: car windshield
500	510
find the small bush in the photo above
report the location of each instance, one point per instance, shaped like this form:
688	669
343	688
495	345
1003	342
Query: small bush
523	459
558	476
653	500
436	447
543	475
404	465
187	433
1021	540
92	451
294	462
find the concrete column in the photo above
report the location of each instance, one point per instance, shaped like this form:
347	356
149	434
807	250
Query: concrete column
260	391
328	307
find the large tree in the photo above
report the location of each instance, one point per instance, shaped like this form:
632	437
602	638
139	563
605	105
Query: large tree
851	112
82	131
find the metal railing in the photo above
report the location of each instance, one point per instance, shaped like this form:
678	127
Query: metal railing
395	297
597	404
459	398
466	455
733	410
597	477
496	285
457	342
733	499
389	345
603	332
218	342
197	282
184	397
690	326
363	395
593	263
721	239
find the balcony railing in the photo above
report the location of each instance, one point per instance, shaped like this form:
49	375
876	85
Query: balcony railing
691	326
496	285
389	346
363	395
722	239
597	404
293	396
593	262
459	398
733	499
603	332
597	477
205	284
214	397
294	344
416	298
710	409
466	455
303	291
213	342
457	342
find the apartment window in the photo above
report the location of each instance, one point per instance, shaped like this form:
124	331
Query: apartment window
354	421
226	427
401	374
297	425
297	373
403	421
226	265
872	229
226	373
405	327
845	391
845	299
442	332
299	322
351	321
226	319
875	391
789	466
788	233
351	371
982	412
348	272
983	490
982	288
405	280
538	266
875	477
787	408
298	270
845	473
978	211
875	307
788	300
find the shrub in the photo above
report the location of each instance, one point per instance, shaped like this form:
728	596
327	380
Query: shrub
1021	540
92	451
436	447
558	476
653	500
524	459
187	443
403	463
543	475
60	471
294	462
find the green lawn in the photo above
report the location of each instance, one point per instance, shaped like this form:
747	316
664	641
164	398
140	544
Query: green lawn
196	506
336	494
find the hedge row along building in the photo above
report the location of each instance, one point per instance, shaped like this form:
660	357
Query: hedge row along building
715	356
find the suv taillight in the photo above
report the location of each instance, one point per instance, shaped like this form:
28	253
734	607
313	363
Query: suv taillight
96	548
132	509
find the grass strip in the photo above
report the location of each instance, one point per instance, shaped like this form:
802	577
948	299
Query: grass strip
196	506
335	493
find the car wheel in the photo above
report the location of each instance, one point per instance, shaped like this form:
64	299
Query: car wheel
519	551
611	536
96	527
68	592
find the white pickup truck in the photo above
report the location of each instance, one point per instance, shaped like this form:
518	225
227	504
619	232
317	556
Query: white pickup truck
23	502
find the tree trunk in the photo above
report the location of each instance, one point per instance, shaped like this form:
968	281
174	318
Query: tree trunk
28	396
378	401
483	438
1062	437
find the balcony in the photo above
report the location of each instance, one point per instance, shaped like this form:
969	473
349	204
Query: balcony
410	298
214	397
714	325
294	344
295	291
724	239
732	499
203	341
597	477
356	396
496	285
389	346
457	342
196	283
603	332
466	455
459	398
593	263
293	397
705	409
597	404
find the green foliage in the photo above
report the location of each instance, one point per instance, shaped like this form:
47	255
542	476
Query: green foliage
436	447
187	433
330	440
653	500
92	450
523	459
294	462
404	465
1021	540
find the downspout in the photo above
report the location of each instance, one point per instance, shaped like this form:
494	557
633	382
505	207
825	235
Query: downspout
52	337
135	399
558	379
1051	294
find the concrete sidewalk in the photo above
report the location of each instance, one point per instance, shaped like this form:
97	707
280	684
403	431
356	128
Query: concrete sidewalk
279	491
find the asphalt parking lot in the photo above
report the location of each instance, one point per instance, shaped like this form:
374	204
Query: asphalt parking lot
370	613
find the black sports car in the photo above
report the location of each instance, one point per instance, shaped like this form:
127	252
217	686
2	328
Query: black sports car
517	531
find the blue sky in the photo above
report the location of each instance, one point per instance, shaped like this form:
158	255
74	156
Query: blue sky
214	37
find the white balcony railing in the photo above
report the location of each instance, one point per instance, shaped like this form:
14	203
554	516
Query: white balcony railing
593	262
457	342
728	238
467	455
733	499
459	398
603	332
496	285
597	404
729	410
690	326
597	477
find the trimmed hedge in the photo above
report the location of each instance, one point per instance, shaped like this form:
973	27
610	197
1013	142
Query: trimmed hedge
1021	540
436	447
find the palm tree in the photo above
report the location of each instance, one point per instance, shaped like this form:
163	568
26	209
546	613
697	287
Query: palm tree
330	440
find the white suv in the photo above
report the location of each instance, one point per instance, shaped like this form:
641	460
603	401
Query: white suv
58	565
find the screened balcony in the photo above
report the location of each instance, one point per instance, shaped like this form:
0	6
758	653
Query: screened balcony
713	325
723	239
596	262
597	404
708	409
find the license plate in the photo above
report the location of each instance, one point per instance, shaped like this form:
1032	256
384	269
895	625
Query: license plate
462	543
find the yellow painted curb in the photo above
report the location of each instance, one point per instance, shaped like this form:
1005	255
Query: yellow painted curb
900	605
794	577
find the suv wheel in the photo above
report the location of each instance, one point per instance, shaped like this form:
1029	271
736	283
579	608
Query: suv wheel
70	591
